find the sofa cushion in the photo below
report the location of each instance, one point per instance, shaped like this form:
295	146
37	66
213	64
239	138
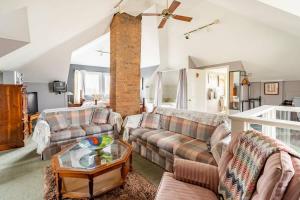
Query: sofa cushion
137	133
183	126
155	138
165	122
191	128
220	132
276	175
57	121
170	188
96	128
293	192
196	150
67	134
146	135
170	142
77	118
100	116
150	120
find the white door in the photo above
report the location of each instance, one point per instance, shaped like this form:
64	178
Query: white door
196	90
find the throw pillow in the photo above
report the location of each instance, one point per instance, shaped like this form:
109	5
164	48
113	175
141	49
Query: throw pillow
150	120
218	149
276	175
292	192
165	122
220	132
57	122
100	116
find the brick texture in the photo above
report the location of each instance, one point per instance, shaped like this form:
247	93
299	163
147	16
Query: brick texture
125	48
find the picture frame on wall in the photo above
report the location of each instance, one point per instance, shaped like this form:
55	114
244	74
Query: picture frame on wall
271	88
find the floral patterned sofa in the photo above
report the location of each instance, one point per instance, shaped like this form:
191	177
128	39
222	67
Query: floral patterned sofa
59	127
168	133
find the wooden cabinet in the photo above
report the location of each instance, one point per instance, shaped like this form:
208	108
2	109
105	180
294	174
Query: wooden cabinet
13	116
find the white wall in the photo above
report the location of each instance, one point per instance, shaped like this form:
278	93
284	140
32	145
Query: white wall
46	100
14	31
149	41
14	25
287	90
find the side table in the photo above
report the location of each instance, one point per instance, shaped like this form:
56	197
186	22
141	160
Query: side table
31	118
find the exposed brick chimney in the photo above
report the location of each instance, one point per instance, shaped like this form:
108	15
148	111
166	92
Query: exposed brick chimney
125	48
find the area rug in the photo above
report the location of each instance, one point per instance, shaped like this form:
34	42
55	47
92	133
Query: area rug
136	188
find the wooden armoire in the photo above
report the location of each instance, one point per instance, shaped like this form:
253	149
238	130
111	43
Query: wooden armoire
13	116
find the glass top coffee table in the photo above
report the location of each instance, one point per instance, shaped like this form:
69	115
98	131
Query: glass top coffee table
84	173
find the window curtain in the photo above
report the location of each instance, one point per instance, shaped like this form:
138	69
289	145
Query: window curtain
83	77
158	90
87	84
101	85
77	86
181	98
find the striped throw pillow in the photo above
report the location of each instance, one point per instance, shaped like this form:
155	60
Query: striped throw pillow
150	120
100	116
57	122
220	132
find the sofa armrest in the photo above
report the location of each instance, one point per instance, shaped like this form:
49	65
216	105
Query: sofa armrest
131	121
41	135
197	173
115	119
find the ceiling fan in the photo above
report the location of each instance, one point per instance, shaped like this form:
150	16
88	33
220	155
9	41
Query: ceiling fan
168	12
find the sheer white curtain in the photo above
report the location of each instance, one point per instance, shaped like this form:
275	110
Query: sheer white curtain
78	86
181	98
158	90
87	84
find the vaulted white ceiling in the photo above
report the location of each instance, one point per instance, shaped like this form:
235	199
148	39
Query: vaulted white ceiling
263	34
56	28
264	38
89	53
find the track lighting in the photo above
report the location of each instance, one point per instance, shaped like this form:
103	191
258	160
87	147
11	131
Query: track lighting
187	35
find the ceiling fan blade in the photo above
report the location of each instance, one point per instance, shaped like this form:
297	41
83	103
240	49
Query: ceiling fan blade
151	14
182	18
162	23
173	6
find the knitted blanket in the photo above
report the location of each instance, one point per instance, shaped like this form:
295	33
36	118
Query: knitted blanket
243	171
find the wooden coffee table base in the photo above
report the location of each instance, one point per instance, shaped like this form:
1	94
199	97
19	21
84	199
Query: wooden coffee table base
84	183
89	187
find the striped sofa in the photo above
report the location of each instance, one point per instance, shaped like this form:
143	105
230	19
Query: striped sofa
183	134
278	179
61	127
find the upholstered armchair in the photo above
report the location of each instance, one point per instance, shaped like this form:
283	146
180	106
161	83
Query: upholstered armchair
279	179
190	180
